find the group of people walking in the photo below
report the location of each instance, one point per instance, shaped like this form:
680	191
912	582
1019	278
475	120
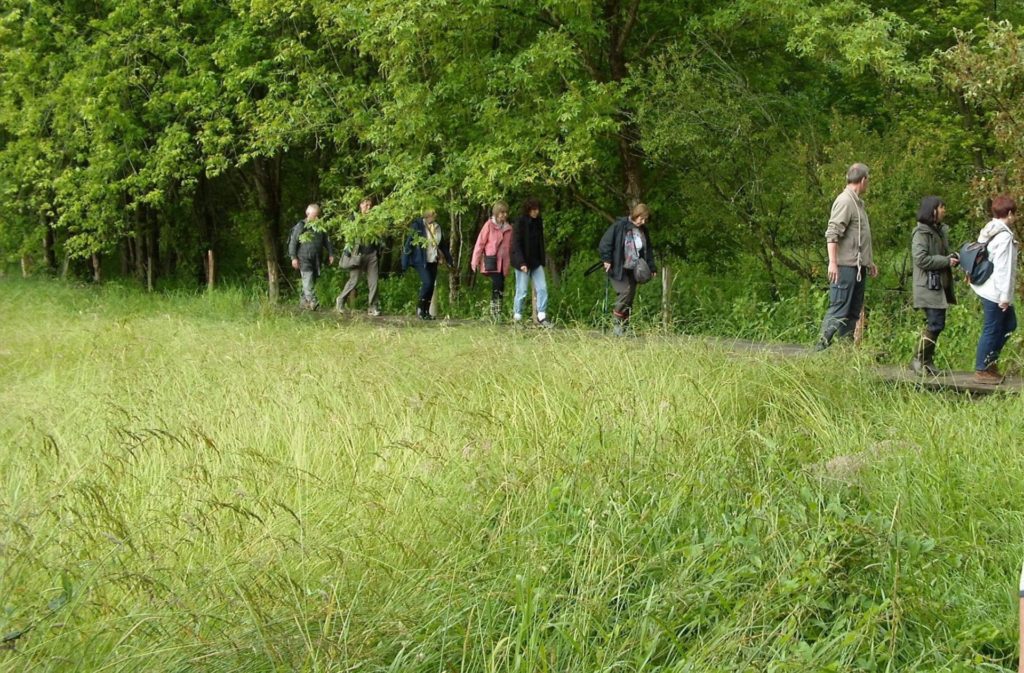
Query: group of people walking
501	247
850	255
627	255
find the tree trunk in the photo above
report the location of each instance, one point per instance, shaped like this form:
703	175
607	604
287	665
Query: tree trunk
152	247
769	266
49	254
24	266
204	211
454	284
621	22
124	252
139	247
631	157
96	275
266	176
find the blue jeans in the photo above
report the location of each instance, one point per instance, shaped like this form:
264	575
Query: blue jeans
994	334
540	284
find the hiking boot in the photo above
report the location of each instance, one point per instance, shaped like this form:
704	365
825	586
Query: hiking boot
924	359
924	368
990	376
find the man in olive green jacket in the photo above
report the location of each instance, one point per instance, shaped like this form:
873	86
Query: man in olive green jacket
933	279
850	262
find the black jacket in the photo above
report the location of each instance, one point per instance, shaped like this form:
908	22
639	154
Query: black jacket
309	251
413	252
612	248
527	243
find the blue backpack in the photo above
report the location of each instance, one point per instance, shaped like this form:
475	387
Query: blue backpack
975	262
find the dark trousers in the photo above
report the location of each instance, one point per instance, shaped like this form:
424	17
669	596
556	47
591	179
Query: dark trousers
935	320
625	293
497	286
845	301
994	333
428	278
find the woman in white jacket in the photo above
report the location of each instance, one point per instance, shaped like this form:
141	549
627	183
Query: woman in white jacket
996	293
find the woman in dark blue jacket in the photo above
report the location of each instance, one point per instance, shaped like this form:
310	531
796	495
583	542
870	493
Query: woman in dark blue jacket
622	247
425	247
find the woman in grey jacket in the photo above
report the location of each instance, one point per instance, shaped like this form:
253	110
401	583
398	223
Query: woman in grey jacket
933	279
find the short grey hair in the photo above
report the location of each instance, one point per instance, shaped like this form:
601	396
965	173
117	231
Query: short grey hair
856	173
313	206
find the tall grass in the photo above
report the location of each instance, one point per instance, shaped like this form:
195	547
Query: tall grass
196	483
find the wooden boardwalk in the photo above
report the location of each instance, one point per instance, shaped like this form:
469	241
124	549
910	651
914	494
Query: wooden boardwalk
958	382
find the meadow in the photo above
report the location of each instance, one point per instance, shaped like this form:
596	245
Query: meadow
199	482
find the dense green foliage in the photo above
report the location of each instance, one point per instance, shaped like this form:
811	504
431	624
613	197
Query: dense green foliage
193	483
140	134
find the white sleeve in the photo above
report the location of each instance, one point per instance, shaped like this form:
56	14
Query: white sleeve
1002	258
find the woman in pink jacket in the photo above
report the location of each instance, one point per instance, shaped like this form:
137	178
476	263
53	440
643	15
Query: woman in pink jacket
492	252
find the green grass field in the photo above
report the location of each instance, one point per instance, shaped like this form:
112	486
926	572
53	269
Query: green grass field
198	483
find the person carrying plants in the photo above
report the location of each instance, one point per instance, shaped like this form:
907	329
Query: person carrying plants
361	258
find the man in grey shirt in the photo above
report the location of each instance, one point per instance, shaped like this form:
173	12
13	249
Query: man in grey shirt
306	245
848	237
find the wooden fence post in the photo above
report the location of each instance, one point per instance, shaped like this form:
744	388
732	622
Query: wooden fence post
1020	625
211	270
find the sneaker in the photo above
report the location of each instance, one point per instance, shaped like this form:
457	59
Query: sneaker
990	376
426	316
619	330
517	318
373	312
544	323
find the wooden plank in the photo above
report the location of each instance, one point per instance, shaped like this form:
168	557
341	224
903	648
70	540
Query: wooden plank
960	382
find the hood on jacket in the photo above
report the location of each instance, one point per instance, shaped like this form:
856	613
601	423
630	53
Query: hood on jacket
991	229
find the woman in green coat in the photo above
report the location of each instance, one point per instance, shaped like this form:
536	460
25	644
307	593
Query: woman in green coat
933	279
